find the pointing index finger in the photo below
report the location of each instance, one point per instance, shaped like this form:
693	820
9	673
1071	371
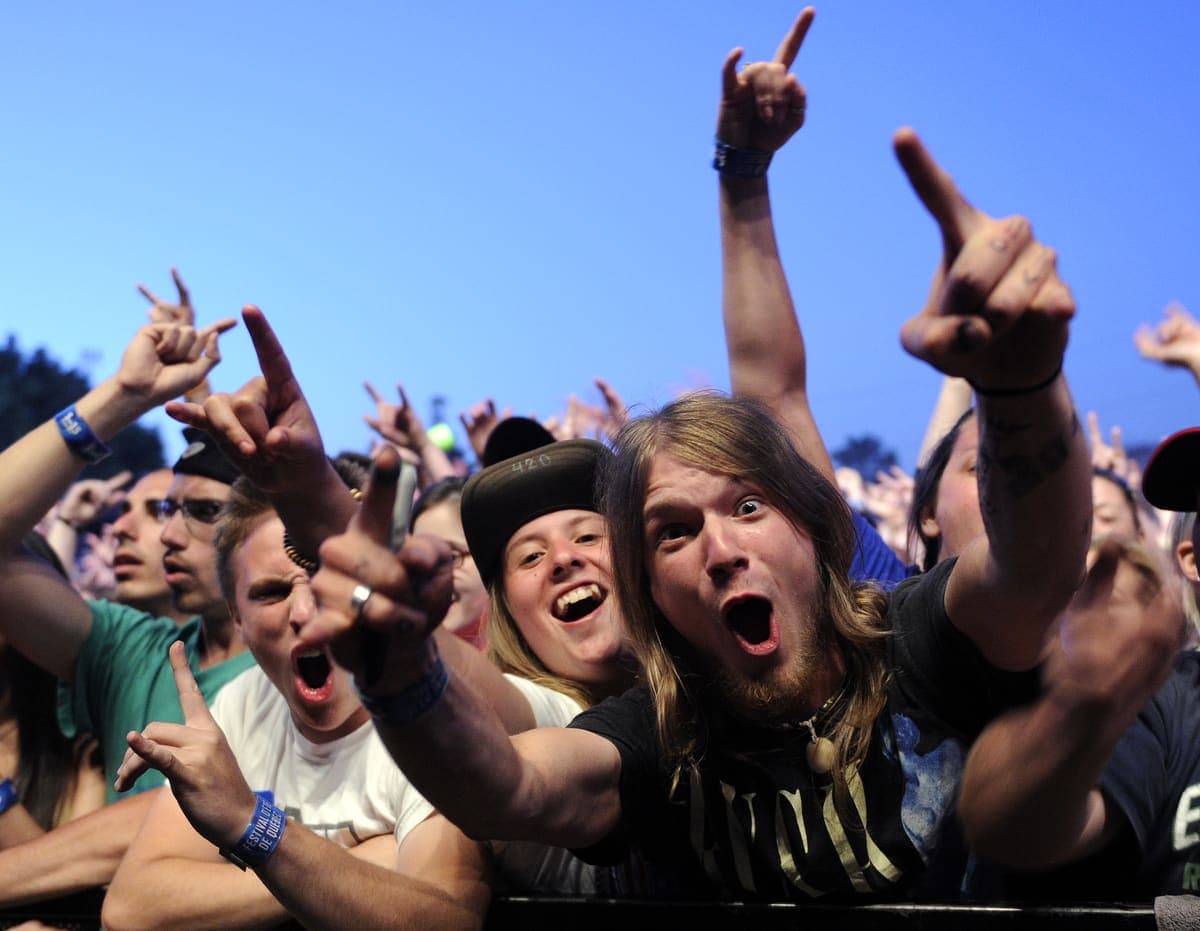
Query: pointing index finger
272	360
374	517
936	189
790	46
195	708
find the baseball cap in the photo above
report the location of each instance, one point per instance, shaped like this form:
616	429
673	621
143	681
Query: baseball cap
504	497
1172	475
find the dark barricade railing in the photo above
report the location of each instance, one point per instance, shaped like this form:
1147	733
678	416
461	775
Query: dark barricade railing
82	913
530	914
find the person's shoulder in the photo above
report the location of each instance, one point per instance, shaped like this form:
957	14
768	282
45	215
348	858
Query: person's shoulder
246	703
120	628
633	708
550	708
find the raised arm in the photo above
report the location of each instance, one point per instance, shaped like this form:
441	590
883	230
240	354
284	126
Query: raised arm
268	431
551	785
998	315
40	613
762	106
1029	796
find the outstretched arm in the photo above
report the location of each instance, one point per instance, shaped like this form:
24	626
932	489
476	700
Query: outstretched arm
40	613
551	785
1174	342
1028	795
762	106
998	315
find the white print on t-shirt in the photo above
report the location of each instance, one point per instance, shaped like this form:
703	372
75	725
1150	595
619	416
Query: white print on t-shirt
1187	818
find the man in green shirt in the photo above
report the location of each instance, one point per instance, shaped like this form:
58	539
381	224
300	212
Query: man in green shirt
111	657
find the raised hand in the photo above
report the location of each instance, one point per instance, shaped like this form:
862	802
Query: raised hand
197	761
399	424
997	311
166	359
1111	455
1120	636
410	590
479	421
88	499
763	105
267	427
618	413
1175	341
165	312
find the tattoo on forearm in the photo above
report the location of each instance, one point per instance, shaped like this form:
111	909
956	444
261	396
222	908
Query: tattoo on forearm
1022	472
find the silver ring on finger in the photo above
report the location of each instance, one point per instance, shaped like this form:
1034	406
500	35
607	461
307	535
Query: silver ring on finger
358	598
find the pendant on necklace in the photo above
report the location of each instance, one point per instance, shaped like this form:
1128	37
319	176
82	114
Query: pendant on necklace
820	755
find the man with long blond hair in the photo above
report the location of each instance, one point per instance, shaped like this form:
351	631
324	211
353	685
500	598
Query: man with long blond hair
796	735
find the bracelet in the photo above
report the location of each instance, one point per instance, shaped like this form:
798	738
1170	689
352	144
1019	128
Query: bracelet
740	163
261	836
412	702
308	565
1016	392
79	436
8	795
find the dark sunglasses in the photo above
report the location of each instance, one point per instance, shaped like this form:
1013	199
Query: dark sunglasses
201	510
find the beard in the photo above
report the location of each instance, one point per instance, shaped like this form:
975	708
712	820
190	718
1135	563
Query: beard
784	696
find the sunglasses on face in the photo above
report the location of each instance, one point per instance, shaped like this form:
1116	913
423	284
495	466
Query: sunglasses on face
201	510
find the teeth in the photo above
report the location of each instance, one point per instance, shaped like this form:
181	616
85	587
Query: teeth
308	654
575	595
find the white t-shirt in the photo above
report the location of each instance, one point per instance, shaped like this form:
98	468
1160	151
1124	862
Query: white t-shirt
347	790
525	867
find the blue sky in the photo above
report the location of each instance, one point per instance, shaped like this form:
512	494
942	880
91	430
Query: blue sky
508	200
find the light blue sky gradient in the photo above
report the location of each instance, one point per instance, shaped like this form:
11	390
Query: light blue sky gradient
510	199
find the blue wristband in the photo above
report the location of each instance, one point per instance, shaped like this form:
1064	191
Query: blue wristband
740	163
79	436
8	795
412	702
261	836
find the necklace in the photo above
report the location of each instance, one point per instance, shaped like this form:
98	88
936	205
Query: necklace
820	750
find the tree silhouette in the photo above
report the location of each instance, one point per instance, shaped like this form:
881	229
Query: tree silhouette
866	453
34	389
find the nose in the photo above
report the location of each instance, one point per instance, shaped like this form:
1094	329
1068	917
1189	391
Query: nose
125	527
723	555
303	607
174	534
564	557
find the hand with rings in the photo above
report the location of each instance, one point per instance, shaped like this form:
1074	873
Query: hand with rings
377	609
763	105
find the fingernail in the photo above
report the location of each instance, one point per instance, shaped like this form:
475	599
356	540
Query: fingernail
965	338
381	472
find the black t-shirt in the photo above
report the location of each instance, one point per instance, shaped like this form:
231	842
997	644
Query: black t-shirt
753	822
1152	785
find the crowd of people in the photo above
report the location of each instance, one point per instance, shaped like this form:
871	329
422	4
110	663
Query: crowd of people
674	656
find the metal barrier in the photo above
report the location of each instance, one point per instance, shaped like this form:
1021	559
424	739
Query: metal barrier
82	913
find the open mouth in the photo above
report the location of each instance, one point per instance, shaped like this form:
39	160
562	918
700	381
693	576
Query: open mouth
751	621
579	602
314	675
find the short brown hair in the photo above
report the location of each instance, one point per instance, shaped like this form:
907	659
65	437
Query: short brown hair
246	508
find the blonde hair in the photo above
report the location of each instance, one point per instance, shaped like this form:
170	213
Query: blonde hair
736	437
1182	523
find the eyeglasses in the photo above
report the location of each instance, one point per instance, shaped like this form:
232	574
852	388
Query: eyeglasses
152	507
459	556
201	510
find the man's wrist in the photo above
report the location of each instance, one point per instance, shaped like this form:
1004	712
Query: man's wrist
411	685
